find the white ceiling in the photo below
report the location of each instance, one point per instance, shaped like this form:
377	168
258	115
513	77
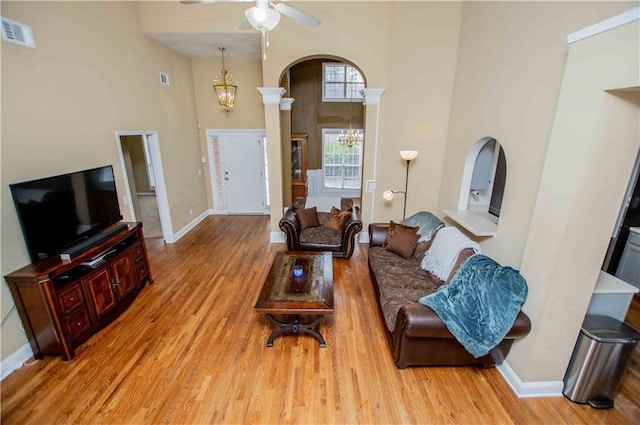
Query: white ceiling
206	45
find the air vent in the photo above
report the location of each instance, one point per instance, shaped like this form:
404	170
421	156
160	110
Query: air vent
164	78
15	32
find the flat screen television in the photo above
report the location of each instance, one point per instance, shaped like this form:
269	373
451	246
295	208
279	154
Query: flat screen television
59	212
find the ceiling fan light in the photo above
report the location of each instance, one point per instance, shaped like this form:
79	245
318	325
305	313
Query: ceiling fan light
262	18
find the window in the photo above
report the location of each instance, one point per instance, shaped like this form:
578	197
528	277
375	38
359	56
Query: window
341	165
340	82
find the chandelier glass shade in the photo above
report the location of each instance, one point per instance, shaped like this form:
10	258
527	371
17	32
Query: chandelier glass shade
225	87
350	137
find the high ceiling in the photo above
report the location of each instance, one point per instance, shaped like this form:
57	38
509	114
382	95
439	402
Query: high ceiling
206	45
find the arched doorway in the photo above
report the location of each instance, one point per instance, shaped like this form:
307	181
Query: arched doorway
327	100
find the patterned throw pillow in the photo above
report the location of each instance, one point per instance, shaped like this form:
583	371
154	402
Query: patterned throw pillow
337	219
308	217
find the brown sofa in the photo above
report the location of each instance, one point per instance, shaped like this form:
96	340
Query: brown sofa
320	238
416	335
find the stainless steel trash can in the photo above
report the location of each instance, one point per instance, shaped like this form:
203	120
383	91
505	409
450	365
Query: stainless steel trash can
599	360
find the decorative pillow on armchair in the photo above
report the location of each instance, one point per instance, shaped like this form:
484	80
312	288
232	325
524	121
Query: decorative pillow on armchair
337	219
308	217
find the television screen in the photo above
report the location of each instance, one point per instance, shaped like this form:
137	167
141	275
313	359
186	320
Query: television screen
58	212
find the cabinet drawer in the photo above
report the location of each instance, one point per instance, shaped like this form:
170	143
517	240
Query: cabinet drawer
136	249
77	323
70	297
141	271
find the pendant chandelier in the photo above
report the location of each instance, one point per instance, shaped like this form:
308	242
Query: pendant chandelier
225	86
350	137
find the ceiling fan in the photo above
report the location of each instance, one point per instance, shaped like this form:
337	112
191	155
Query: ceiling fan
265	15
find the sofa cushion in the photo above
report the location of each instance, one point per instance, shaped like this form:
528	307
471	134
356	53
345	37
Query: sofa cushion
321	235
400	282
308	217
337	219
402	242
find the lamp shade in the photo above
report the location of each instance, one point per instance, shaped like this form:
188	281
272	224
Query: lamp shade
388	195
262	18
408	155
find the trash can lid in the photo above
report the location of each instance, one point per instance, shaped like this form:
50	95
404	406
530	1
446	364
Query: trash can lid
608	329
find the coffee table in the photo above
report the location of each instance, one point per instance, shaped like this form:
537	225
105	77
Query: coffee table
310	294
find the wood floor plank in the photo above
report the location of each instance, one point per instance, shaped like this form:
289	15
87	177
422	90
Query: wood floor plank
190	350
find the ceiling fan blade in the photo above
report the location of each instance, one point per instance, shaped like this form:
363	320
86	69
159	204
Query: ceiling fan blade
213	1
297	15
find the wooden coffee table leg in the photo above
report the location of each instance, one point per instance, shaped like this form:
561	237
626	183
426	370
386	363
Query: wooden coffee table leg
295	327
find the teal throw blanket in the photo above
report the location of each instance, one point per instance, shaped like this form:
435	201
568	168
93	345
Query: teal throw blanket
427	223
480	304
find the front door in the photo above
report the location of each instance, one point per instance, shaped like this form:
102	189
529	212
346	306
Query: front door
243	172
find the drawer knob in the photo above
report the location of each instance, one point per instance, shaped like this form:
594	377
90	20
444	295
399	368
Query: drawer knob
79	324
71	299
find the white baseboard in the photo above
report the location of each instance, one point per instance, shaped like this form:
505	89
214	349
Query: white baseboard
363	237
15	361
277	237
218	212
190	226
529	389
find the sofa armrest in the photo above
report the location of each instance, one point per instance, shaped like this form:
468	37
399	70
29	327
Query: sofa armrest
351	227
417	320
378	233
353	223
290	225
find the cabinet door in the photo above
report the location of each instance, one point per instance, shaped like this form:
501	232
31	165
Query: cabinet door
99	286
123	274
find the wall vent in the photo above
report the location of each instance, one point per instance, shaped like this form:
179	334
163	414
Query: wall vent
164	78
15	32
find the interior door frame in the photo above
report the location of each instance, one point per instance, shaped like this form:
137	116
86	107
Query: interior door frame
218	189
158	174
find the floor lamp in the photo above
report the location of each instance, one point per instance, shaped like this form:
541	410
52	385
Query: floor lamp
408	156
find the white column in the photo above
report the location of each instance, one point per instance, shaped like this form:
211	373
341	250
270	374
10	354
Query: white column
371	97
271	97
285	103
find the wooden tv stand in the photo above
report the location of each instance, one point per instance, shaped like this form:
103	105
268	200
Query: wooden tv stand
62	303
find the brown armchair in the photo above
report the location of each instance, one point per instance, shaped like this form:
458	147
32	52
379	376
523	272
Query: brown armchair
320	238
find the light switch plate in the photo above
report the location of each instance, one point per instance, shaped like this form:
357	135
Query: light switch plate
370	186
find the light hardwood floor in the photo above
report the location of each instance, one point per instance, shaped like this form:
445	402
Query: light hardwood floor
190	350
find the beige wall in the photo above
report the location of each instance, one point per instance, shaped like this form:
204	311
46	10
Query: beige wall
594	142
512	56
63	102
248	112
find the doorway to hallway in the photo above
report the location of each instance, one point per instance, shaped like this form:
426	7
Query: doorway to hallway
144	178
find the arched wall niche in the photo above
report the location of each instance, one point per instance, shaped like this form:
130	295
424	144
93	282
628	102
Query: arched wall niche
308	115
482	188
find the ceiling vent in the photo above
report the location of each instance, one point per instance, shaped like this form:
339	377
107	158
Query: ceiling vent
15	32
